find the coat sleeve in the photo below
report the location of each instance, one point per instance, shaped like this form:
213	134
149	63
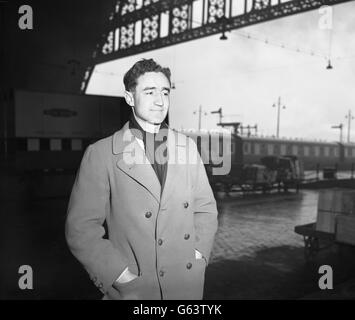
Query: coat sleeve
84	231
205	208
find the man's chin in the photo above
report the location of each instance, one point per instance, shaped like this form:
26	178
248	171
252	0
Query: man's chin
156	121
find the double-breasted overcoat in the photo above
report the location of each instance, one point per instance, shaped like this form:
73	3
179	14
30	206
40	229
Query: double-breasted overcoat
152	230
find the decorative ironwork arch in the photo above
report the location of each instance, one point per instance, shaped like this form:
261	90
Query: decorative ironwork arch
137	26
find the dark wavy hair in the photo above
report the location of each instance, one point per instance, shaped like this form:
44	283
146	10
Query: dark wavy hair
140	68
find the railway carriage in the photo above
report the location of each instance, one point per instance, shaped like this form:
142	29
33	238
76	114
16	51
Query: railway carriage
250	158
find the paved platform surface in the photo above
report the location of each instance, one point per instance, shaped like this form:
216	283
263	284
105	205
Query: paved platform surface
256	254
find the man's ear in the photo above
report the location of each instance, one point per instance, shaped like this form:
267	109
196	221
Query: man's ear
129	98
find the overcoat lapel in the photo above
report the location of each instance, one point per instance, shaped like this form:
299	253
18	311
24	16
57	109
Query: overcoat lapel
133	162
177	159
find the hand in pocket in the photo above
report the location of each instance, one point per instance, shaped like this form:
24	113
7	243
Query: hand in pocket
126	276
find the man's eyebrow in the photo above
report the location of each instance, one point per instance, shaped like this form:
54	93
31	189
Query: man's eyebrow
153	88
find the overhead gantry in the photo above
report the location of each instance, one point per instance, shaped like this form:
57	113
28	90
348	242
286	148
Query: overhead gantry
137	26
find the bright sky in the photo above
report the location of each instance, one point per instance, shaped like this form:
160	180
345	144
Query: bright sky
245	76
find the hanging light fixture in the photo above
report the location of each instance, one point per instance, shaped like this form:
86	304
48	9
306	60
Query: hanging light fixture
223	36
329	66
223	20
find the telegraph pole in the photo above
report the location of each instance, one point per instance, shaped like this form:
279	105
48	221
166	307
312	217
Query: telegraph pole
340	126
220	114
278	115
200	116
349	117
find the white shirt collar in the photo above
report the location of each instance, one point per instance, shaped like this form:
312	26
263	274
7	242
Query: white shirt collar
146	126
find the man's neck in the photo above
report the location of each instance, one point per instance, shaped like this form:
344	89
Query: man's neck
146	126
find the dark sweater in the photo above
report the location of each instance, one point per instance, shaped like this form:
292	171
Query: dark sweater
153	141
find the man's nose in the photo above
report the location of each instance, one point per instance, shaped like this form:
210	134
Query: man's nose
159	99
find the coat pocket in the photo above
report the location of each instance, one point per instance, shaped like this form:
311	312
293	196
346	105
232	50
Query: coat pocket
128	283
144	287
201	262
126	291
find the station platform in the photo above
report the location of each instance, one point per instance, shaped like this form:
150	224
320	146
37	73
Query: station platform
256	253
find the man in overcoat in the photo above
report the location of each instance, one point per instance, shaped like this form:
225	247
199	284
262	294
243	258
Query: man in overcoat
149	184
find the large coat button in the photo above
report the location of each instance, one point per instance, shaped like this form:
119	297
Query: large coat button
161	273
189	265
148	214
186	236
160	242
186	204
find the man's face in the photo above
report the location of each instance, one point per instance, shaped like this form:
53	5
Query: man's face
151	97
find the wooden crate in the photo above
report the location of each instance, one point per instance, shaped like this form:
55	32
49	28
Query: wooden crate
326	221
344	202
337	200
326	200
345	229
